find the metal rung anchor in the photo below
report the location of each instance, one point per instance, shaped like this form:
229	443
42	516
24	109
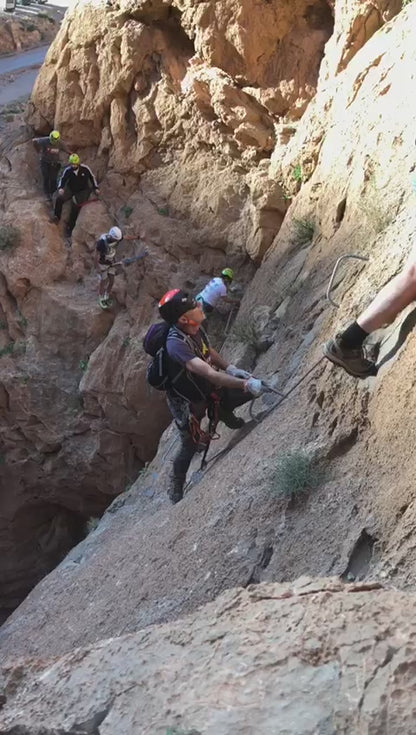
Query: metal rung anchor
334	272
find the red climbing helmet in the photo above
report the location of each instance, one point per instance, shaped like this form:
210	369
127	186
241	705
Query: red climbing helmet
175	303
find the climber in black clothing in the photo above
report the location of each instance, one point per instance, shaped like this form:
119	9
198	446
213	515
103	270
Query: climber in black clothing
49	148
76	183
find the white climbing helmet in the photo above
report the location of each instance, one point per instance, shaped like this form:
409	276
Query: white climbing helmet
116	233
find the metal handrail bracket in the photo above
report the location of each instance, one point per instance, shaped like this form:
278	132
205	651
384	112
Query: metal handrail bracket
334	273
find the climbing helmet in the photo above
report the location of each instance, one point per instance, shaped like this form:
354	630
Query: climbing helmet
115	233
74	159
228	273
54	136
175	303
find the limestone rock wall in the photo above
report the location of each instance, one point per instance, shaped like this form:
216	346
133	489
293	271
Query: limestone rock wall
193	116
26	32
310	657
177	88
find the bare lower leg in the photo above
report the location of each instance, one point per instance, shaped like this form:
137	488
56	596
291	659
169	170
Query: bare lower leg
391	300
102	287
110	283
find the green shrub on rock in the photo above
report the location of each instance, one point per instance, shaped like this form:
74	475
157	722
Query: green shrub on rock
9	236
295	475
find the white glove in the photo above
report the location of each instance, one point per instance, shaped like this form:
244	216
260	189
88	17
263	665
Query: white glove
254	386
237	372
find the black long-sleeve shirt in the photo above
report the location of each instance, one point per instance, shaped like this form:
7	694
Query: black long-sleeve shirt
78	179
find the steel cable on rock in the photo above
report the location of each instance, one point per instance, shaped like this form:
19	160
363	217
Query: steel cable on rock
257	421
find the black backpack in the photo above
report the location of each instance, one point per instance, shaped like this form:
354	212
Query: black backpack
154	344
164	373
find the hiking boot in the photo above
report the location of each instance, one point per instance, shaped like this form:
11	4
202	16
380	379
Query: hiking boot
103	303
353	361
230	419
175	495
175	490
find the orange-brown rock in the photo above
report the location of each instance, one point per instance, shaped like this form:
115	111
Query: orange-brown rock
173	105
26	32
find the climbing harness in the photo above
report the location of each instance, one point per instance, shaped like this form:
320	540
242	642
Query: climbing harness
201	438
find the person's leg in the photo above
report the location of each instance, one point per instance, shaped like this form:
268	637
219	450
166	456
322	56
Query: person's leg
52	178
391	300
346	349
180	466
73	216
102	285
110	284
80	198
59	202
44	169
231	398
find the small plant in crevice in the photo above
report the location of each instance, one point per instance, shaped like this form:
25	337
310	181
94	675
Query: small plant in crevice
141	475
21	320
83	364
13	348
9	236
295	475
298	173
286	195
179	731
126	211
303	230
91	524
7	350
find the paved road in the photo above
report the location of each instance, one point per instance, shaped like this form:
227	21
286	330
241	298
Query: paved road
21	87
23	67
24	60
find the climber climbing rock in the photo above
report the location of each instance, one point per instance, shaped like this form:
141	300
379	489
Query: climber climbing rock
49	148
76	183
216	291
347	348
105	257
199	381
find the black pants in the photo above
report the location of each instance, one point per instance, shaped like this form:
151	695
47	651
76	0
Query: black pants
49	171
80	197
230	398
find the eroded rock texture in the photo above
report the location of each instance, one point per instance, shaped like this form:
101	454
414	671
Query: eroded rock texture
24	32
312	657
179	107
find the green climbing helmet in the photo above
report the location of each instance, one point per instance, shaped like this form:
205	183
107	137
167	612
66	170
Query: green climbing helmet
74	159
228	273
54	136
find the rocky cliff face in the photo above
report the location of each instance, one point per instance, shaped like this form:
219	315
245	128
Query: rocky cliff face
26	32
312	657
290	145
